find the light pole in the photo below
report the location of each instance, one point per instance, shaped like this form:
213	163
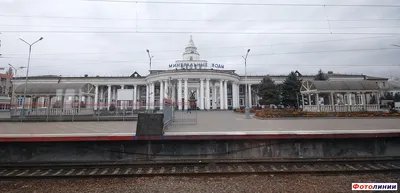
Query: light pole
15	75
27	72
150	57
247	111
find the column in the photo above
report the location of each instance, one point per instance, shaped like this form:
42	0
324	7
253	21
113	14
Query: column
377	100
108	97
198	97
152	95
162	91
135	97
202	107
221	95
186	94
302	101
234	96
226	94
207	105
317	101
173	94
180	94
166	90
309	99
122	102
96	96
250	102
101	97
147	97
214	95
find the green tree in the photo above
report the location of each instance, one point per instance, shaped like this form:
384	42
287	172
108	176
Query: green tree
321	76
290	90
397	97
268	91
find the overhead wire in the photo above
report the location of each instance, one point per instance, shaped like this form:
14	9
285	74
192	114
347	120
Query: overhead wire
228	56
247	3
202	20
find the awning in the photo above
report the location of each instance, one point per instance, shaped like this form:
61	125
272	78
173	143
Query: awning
339	86
55	89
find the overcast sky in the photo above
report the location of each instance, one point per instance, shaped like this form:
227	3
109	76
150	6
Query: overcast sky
110	52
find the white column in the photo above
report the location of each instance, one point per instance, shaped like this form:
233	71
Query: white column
166	89
250	101
162	91
198	97
186	94
108	97
96	96
180	94
221	95
234	105
101	97
153	95
135	97
207	106
147	96
214	99
173	94
317	102
226	94
202	107
122	102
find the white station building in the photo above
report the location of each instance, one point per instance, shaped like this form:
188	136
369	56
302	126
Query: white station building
189	81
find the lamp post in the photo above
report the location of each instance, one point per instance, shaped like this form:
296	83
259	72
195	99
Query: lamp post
247	110
15	75
27	72
150	57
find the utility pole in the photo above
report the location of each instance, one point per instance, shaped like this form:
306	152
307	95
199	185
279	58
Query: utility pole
27	73
246	97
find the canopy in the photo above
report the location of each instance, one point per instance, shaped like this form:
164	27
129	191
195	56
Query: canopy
339	86
55	88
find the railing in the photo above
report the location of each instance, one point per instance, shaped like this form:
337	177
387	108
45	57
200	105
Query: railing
341	108
52	112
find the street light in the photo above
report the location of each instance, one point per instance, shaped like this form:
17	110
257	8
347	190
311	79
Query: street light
27	72
245	79
15	75
150	57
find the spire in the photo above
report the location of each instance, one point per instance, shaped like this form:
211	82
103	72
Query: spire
191	43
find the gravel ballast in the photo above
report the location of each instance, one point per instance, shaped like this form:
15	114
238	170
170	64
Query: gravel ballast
231	184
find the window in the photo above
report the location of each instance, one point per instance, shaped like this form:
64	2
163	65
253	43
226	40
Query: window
241	89
359	99
241	102
229	102
384	84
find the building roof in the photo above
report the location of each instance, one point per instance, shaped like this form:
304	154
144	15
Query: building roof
338	86
54	88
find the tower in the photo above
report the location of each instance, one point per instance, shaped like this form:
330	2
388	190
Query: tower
191	53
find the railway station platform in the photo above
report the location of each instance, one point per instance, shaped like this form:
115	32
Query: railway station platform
210	125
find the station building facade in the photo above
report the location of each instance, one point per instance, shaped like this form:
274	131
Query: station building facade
188	82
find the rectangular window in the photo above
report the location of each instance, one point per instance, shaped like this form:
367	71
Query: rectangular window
241	89
241	102
229	102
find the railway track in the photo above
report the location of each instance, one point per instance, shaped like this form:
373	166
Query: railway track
199	168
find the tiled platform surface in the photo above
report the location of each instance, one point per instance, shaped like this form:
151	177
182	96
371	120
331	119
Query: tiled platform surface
210	125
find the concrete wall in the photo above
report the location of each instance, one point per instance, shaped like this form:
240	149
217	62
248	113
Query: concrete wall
233	149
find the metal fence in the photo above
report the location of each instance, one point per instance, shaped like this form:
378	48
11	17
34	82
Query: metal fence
169	113
72	114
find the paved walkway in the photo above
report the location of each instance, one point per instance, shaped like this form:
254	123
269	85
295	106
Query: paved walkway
212	122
